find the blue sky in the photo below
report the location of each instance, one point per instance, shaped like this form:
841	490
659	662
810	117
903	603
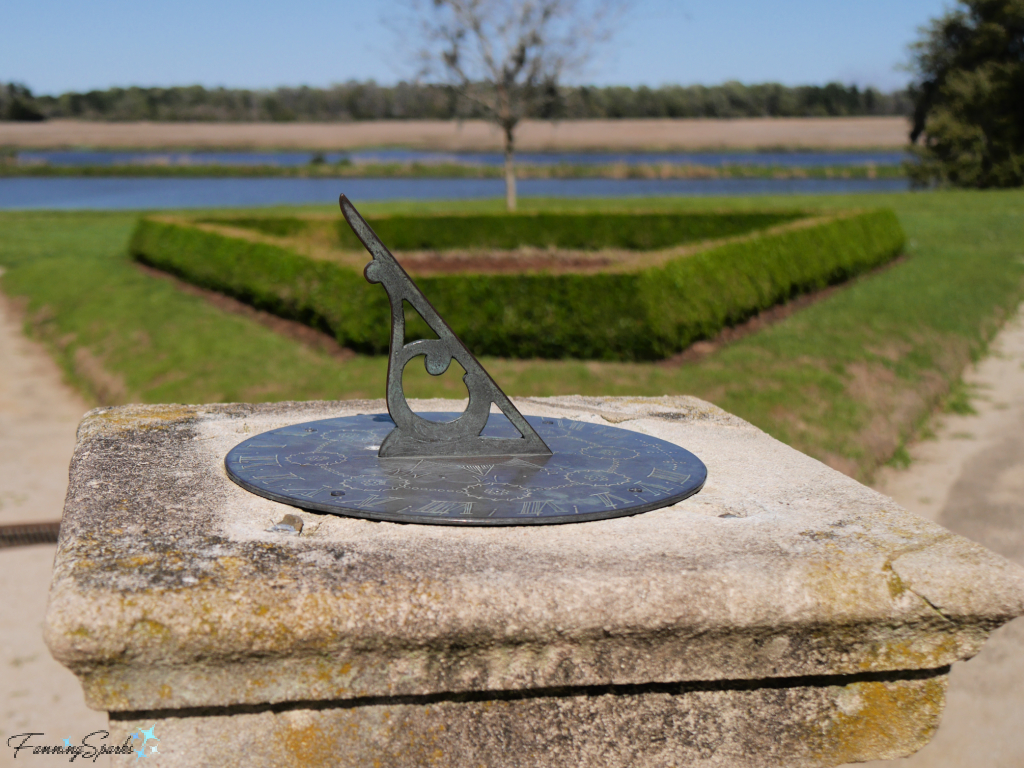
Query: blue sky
59	45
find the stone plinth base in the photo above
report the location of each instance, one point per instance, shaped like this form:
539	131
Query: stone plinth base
773	723
785	615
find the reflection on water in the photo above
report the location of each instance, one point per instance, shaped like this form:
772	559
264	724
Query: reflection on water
713	159
170	193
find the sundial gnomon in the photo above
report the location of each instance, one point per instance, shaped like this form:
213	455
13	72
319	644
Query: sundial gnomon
474	468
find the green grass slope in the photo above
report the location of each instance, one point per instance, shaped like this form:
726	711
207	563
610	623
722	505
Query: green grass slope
845	380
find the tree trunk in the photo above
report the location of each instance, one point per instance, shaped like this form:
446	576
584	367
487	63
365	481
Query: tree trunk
510	169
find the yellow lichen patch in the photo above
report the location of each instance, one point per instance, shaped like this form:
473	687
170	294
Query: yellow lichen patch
880	720
165	691
139	417
146	632
327	672
838	590
231	566
853	596
310	745
896	586
913	653
104	694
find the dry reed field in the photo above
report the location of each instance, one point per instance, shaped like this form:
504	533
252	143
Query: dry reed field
471	135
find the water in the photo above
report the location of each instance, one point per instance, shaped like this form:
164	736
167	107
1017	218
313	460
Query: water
292	159
83	193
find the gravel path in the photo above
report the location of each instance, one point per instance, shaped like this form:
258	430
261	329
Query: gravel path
970	479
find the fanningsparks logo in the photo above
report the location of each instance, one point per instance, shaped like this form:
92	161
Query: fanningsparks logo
145	736
90	747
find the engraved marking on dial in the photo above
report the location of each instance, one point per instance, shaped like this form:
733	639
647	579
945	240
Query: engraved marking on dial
659	487
538	507
316	458
250	462
519	463
609	452
307	493
479	470
446	508
371	501
595	477
663	474
279	480
609	499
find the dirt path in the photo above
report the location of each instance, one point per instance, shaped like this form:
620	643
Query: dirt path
970	479
473	135
38	417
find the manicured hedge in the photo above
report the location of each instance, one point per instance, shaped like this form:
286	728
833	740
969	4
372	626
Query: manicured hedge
279	226
642	315
577	231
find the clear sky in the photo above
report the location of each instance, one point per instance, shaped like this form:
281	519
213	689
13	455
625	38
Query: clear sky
58	45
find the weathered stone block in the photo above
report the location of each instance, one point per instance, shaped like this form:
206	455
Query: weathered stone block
785	615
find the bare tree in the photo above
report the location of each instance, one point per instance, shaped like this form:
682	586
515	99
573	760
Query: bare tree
507	57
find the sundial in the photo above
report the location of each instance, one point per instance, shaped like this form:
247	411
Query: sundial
473	468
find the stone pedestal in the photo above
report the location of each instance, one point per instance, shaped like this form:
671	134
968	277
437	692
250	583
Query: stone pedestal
784	616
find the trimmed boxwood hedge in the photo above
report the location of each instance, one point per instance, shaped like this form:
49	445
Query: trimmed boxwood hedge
576	231
278	226
643	315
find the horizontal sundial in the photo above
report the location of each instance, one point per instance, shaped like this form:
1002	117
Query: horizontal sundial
473	468
592	472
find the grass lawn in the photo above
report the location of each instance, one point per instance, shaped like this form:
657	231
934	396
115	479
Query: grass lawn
846	380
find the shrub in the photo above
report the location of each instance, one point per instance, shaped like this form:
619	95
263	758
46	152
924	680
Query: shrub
278	226
577	231
645	314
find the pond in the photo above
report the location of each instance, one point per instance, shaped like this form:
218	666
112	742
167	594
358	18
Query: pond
28	193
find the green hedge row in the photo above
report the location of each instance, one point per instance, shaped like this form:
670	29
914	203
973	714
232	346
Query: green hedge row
576	231
278	226
643	315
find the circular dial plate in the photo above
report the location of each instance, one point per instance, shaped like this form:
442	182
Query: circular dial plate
596	472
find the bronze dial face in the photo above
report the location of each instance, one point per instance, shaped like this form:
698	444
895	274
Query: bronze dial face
594	472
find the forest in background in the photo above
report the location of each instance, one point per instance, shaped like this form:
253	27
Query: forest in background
354	101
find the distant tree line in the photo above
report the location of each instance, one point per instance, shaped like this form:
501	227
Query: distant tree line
410	101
